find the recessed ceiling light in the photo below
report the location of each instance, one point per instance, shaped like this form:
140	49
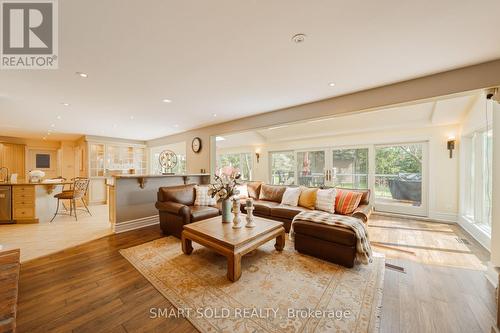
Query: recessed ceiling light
131	117
298	38
166	100
331	84
58	117
52	125
65	104
215	115
81	74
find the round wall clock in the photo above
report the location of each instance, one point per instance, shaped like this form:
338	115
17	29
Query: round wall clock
196	145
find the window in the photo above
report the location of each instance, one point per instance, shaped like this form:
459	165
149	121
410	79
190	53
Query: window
241	161
350	167
180	168
311	168
478	178
282	167
178	148
398	174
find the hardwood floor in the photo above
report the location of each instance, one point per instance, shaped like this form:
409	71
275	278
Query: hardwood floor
443	288
92	288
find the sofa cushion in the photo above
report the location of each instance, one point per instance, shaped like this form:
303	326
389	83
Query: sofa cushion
326	232
264	207
291	196
203	198
325	200
365	199
242	191
286	212
254	189
183	194
346	201
272	192
199	213
307	197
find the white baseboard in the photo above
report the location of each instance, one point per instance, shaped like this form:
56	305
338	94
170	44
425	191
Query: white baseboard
444	218
476	233
492	274
135	224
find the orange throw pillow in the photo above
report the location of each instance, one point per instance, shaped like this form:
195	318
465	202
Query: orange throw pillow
307	197
347	201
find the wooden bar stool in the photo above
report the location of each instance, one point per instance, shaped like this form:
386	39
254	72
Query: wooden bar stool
77	191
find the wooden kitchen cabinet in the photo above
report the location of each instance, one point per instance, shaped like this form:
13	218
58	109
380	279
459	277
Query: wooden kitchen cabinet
23	204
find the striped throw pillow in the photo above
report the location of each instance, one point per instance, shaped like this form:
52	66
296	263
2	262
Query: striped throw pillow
202	197
325	200
347	201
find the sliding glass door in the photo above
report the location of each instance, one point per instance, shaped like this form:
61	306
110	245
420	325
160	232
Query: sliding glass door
350	168
395	173
311	168
400	178
282	165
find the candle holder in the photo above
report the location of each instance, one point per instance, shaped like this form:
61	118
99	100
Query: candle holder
236	212
249	218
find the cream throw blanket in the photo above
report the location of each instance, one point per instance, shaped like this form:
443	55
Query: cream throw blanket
363	248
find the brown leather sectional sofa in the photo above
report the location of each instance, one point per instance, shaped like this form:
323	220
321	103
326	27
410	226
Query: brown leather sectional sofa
335	244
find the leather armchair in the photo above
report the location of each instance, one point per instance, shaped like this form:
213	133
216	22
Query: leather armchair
176	208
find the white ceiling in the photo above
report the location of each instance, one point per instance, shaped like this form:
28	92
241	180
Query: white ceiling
442	112
232	58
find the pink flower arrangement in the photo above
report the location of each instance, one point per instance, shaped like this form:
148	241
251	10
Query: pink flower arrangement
226	180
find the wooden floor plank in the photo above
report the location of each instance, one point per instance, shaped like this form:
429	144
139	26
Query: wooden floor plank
92	288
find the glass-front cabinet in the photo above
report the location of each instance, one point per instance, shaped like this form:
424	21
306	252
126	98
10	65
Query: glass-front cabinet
96	160
108	159
125	159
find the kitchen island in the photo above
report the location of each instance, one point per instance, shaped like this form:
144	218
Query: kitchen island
25	202
132	198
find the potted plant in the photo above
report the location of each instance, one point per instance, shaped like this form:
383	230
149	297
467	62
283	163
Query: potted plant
224	188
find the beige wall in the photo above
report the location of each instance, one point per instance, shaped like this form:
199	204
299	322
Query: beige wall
452	82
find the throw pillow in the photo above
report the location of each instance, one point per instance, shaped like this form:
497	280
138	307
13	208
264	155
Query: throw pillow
202	197
243	189
346	202
307	197
271	192
254	189
325	200
291	196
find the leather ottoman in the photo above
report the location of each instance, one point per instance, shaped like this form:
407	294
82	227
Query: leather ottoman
331	243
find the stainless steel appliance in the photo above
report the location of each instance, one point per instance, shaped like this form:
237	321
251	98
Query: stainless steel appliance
5	204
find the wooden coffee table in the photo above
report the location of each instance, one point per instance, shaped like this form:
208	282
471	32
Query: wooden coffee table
232	243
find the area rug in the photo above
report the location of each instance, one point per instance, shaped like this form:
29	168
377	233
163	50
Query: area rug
277	292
